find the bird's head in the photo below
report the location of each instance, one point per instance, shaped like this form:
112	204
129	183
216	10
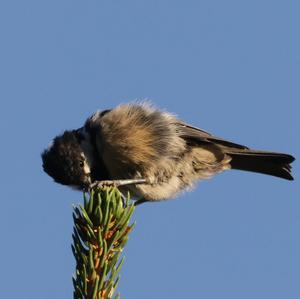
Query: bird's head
66	163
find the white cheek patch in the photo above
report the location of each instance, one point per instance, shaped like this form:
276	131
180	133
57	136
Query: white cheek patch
86	168
88	151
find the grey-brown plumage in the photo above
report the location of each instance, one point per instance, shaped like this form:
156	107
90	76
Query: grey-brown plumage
137	141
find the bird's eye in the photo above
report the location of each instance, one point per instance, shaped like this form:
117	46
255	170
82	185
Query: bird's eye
81	163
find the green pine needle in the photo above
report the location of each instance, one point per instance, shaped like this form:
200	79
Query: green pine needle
101	229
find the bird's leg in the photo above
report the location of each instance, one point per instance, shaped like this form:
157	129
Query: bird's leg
117	183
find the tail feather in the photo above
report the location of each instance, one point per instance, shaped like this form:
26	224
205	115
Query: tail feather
275	164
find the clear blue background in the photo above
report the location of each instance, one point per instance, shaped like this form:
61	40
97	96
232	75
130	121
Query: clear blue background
230	67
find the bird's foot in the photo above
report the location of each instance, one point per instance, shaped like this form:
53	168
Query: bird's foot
117	183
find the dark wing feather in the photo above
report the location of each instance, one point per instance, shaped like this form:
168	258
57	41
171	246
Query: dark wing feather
195	134
243	158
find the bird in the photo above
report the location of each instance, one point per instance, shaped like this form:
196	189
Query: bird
150	153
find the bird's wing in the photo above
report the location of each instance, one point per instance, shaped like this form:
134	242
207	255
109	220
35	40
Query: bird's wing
198	135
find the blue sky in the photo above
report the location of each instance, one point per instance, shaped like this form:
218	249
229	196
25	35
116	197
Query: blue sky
230	67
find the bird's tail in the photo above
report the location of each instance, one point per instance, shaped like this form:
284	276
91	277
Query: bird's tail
276	164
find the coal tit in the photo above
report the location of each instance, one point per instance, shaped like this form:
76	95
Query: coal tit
153	148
